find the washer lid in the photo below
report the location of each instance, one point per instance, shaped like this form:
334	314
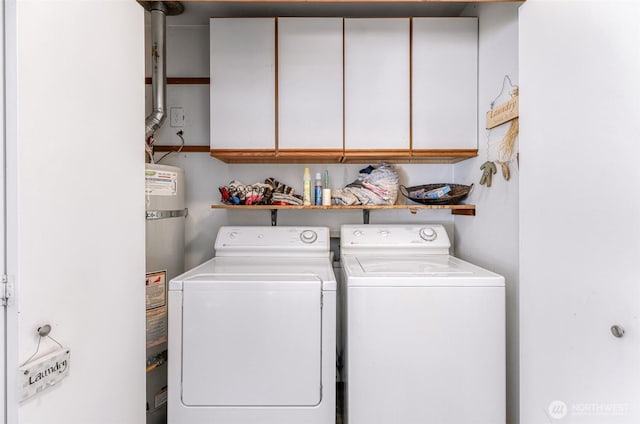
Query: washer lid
431	265
415	271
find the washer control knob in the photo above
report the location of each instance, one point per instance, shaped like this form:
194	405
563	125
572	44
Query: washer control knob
357	233
384	233
428	234
308	236
233	235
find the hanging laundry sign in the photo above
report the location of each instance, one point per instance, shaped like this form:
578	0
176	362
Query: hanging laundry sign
43	373
503	113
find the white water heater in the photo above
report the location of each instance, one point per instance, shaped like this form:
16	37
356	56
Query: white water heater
165	222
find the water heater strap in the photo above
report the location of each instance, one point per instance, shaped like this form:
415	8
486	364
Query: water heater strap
150	215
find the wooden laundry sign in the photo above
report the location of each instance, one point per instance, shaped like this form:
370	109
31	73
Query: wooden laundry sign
503	113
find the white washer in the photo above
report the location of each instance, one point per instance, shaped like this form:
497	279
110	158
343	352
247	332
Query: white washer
252	331
425	331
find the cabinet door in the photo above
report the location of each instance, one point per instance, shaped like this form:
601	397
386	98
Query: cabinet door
310	84
445	83
377	85
242	83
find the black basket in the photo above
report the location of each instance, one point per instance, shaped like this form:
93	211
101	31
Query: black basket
458	193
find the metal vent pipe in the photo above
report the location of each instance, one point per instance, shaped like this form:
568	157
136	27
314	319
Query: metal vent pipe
159	11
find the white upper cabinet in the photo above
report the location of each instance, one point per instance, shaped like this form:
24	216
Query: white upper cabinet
310	83
242	83
333	89
377	84
445	83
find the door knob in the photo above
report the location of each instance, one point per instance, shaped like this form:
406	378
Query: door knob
617	331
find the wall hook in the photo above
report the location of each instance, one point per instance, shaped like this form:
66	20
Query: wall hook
44	330
504	83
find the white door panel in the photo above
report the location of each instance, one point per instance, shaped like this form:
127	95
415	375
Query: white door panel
252	343
3	207
310	83
445	83
579	270
376	83
425	354
242	83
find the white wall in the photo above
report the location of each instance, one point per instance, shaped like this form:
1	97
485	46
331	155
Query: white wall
187	55
76	176
490	239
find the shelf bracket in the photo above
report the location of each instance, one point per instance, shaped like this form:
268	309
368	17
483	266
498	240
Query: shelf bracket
274	217
464	212
365	216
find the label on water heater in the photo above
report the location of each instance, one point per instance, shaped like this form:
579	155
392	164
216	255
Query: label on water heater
157	309
160	183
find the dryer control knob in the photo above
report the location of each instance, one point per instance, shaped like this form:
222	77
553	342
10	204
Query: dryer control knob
357	233
428	234
308	236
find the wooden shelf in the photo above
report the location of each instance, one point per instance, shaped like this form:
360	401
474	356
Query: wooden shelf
356	1
185	149
184	80
467	210
410	208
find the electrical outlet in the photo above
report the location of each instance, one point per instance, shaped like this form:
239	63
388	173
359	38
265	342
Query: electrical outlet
176	117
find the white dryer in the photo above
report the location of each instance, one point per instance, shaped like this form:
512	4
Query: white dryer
252	333
425	331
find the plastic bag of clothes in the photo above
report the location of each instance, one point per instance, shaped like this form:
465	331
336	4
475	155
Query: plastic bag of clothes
376	185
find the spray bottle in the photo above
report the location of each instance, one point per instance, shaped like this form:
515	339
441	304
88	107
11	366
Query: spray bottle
318	190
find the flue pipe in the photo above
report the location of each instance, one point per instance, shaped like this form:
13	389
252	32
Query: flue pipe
159	11
158	68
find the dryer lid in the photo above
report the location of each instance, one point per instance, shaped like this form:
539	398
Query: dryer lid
259	269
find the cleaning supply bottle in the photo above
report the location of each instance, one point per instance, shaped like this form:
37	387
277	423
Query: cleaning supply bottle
318	189
306	194
326	191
